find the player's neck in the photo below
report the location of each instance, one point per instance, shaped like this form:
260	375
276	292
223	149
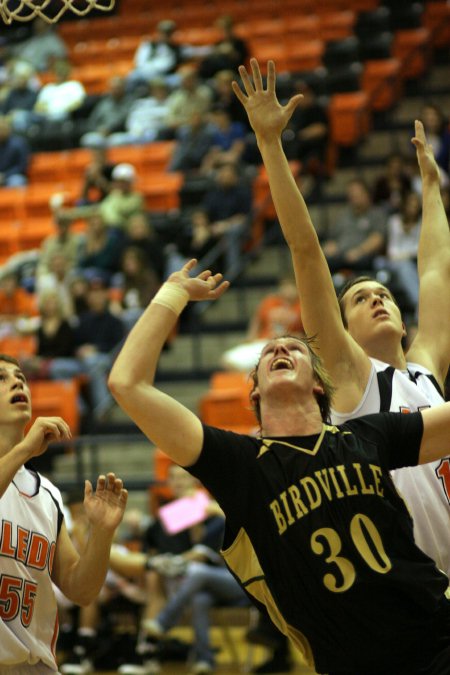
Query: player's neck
388	351
9	437
297	419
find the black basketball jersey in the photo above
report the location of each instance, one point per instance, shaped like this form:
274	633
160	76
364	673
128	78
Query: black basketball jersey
317	533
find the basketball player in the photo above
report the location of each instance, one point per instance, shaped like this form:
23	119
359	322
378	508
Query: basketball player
316	531
360	342
35	548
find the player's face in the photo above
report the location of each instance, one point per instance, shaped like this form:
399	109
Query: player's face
370	311
285	361
14	395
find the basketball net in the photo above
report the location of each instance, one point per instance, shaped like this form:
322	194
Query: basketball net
49	10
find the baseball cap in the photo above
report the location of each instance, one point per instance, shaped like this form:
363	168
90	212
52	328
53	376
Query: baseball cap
124	172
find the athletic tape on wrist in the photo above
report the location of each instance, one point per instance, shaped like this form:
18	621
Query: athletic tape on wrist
172	296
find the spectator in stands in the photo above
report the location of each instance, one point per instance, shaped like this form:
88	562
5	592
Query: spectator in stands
196	241
43	48
79	288
63	241
358	235
57	100
227	54
403	233
228	141
14	156
224	97
97	334
141	234
146	115
97	179
87	643
19	102
393	184
436	124
228	205
207	583
190	97
123	200
309	126
108	115
58	277
101	249
167	558
276	315
134	286
159	57
193	143
16	305
55	337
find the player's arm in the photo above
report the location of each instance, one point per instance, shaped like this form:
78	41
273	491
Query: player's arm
431	346
344	359
43	431
167	423
436	433
80	576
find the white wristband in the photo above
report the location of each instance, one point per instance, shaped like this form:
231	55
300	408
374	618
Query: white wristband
172	296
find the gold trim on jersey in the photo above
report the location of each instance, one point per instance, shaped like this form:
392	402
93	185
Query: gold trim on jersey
268	442
243	561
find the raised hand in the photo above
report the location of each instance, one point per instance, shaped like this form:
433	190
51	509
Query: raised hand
429	168
105	507
205	286
43	431
265	113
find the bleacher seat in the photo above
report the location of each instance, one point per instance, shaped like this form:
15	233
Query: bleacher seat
413	49
56	398
226	404
382	82
350	118
436	18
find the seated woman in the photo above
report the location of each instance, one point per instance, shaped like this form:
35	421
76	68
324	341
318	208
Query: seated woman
54	336
185	567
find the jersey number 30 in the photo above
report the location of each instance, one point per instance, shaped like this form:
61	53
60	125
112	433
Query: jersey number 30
362	531
17	595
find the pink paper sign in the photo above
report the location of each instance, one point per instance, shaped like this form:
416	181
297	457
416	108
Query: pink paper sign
183	513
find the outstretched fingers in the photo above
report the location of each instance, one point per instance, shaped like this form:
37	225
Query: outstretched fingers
257	77
271	76
218	286
246	81
187	267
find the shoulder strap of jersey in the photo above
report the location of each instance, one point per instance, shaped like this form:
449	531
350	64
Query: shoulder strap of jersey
414	376
384	378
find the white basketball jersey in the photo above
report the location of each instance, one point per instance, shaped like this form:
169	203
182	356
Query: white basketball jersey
29	527
425	488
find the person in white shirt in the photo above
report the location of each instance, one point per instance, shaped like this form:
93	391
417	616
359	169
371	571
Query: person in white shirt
35	548
56	100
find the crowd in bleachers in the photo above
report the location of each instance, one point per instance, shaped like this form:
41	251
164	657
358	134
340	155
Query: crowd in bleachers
154	162
124	152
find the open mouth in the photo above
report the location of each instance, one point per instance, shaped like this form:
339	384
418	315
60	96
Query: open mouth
380	312
19	398
281	364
